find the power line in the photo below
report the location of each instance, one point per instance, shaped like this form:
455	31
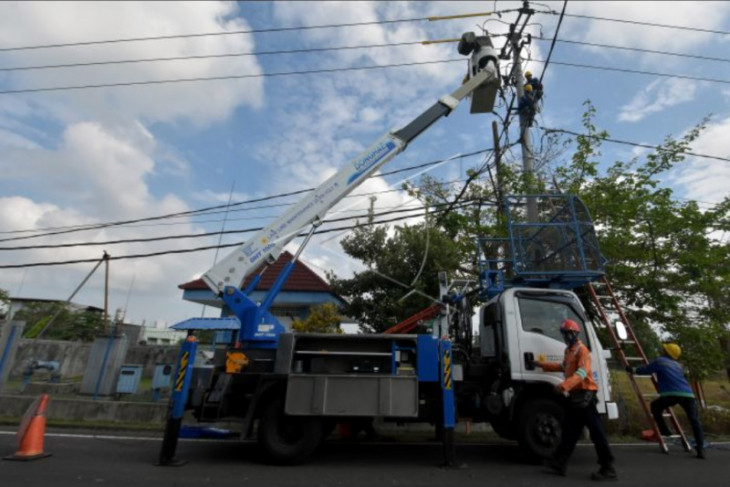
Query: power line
339	70
208	56
197	249
637	22
638	49
227	77
555	38
246	31
391	210
208	210
636	71
626	142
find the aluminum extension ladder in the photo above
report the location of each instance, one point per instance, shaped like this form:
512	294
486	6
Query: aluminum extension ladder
630	353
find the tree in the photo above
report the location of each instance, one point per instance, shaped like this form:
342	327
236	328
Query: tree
409	259
324	318
666	262
4	300
664	258
68	325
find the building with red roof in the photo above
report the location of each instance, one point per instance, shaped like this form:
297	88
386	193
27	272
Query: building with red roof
302	290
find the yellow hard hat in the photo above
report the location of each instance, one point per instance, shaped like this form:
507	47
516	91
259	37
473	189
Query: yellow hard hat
528	88
528	74
672	350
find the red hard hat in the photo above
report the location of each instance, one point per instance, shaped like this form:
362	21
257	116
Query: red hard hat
570	325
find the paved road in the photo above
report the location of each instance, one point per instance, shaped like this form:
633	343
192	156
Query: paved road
119	461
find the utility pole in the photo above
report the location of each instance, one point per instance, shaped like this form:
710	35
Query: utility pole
515	41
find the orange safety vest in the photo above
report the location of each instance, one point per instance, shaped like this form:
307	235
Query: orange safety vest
577	369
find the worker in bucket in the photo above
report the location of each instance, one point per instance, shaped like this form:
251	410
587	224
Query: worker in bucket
673	389
581	391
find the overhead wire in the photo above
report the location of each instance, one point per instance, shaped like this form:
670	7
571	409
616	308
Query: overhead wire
642	23
206	210
634	144
639	49
185	251
395	209
555	38
226	77
245	31
636	71
207	56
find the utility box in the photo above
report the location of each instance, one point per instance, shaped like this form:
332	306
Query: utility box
129	377
163	374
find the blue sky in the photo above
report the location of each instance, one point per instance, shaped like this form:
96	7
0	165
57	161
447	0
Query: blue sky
89	156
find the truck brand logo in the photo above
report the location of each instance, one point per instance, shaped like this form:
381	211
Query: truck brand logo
365	163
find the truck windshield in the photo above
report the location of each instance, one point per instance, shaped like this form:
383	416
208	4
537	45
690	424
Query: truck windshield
544	317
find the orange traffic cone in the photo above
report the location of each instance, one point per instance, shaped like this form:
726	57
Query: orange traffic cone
31	432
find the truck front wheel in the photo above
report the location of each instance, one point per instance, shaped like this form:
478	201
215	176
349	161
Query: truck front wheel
287	439
539	428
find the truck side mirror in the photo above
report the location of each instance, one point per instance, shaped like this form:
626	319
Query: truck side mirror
621	331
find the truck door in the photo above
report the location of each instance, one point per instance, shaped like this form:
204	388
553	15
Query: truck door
538	335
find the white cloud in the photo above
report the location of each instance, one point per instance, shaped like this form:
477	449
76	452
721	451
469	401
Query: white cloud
712	15
656	97
96	175
31	23
707	180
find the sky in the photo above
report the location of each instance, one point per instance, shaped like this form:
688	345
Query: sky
91	156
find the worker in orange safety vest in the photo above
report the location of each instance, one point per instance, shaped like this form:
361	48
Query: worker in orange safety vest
580	389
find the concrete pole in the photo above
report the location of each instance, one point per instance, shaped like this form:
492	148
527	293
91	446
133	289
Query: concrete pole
525	138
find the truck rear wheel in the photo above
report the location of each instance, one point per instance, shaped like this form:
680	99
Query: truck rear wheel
287	439
540	428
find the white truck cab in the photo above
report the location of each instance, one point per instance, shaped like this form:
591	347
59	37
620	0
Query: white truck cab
523	324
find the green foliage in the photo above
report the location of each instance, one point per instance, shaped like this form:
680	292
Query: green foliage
668	269
68	324
324	318
666	262
701	353
412	257
4	302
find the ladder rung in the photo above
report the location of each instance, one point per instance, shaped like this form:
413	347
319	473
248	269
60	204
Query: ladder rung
651	395
627	342
634	358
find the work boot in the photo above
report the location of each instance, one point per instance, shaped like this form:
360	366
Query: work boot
605	473
557	467
701	453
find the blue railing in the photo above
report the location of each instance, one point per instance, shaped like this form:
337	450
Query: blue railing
559	248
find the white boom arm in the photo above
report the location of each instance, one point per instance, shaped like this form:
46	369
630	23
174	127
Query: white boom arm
268	243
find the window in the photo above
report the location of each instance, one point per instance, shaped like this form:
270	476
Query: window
488	334
544	317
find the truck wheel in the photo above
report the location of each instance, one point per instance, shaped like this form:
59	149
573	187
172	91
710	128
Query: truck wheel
540	428
287	439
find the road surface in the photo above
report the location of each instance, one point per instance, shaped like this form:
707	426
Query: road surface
111	460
